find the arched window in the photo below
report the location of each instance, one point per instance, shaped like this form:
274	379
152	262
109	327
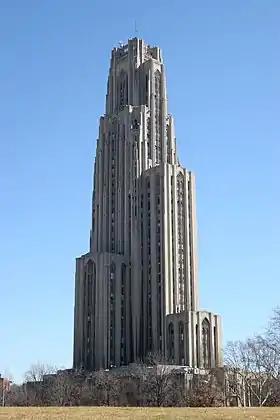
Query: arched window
122	89
158	147
158	259
85	312
190	240
93	287
149	267
129	222
206	343
149	144
112	313
181	343
90	270
93	307
181	239
114	147
147	89
215	345
157	82
89	286
123	316
197	346
90	293
171	352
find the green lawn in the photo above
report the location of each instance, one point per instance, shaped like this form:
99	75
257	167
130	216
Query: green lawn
96	413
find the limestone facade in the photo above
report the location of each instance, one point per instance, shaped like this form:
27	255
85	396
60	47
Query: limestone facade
136	289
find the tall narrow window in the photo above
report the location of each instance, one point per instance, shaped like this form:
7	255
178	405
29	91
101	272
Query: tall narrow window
129	223
123	316
197	342
114	178
169	143
122	172
131	342
171	351
149	151
174	274
158	133
181	240
90	312
85	324
190	244
143	281
149	268
122	89
181	343
93	309
215	346
147	90
158	260
112	313
126	89
206	343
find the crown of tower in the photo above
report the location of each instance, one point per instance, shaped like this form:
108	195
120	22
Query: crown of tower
139	48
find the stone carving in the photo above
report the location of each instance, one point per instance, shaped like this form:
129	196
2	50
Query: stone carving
135	125
121	52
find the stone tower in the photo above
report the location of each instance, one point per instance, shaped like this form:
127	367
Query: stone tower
136	290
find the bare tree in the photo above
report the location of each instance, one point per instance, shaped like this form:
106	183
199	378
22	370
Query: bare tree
5	388
60	390
37	372
270	343
130	393
205	394
17	396
272	335
249	379
36	388
162	385
107	387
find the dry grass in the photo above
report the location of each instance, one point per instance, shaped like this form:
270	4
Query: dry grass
98	413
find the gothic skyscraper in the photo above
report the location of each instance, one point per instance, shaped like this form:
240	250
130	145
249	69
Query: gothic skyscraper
136	290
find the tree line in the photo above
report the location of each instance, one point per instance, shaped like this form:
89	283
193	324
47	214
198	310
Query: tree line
251	376
254	365
153	385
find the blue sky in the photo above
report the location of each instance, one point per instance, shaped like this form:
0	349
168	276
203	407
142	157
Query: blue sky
223	65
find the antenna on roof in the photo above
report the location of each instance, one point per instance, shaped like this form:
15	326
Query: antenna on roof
135	28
